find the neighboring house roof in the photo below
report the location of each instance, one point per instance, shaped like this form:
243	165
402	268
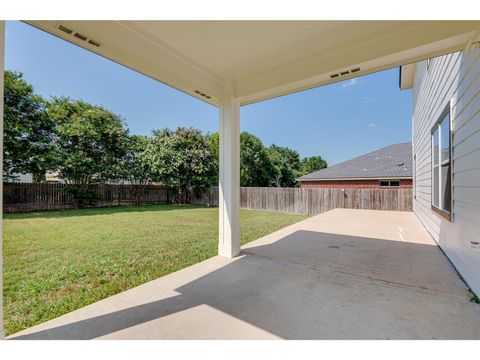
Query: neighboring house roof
394	161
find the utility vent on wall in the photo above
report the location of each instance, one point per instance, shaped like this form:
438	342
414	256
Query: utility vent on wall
202	94
343	73
77	35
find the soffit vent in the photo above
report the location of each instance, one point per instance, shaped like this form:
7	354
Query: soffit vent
65	29
198	92
343	73
78	36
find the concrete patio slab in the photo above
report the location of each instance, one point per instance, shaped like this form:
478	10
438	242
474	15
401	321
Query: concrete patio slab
344	274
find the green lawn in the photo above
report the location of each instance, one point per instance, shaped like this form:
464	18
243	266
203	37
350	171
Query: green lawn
58	261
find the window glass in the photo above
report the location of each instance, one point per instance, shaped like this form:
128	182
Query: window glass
383	183
435	176
445	163
435	146
445	141
445	189
441	164
394	183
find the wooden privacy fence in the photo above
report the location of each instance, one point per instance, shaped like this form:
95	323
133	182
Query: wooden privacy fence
314	201
52	196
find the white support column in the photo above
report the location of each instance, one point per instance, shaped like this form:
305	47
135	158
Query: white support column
229	187
2	65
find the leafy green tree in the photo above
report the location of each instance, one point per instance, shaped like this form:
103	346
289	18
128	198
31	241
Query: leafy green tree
134	167
90	145
214	144
256	169
28	131
287	165
312	163
181	160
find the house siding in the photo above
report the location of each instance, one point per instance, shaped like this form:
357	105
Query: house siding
453	78
355	184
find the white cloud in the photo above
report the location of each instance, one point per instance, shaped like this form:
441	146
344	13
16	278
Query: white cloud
366	99
352	82
373	125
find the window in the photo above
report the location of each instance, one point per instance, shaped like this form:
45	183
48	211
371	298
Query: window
387	183
441	165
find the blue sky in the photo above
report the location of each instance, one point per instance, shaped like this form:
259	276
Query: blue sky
337	121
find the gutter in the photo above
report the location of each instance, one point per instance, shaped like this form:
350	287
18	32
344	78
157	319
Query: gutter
371	178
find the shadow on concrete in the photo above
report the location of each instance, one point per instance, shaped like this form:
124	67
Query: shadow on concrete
314	285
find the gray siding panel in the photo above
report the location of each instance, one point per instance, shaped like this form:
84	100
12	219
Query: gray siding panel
456	78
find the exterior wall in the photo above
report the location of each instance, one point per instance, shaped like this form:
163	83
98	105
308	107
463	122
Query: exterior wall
456	78
354	184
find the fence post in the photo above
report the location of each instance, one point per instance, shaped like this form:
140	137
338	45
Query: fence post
51	196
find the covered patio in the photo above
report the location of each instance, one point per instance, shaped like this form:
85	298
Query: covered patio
233	63
344	274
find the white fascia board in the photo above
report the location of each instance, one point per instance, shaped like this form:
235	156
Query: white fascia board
372	178
270	85
407	76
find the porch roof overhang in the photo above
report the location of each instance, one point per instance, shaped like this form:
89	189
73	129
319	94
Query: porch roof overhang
407	76
258	60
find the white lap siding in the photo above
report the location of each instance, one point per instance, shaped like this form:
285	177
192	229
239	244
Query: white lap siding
454	77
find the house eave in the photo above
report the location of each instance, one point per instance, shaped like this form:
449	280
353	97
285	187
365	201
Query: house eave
358	178
407	76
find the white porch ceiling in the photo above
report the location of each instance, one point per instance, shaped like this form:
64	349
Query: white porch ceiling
258	60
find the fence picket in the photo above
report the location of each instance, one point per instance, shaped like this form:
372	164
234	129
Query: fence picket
313	201
51	196
20	197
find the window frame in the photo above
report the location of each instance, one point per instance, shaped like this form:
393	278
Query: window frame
438	209
389	183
